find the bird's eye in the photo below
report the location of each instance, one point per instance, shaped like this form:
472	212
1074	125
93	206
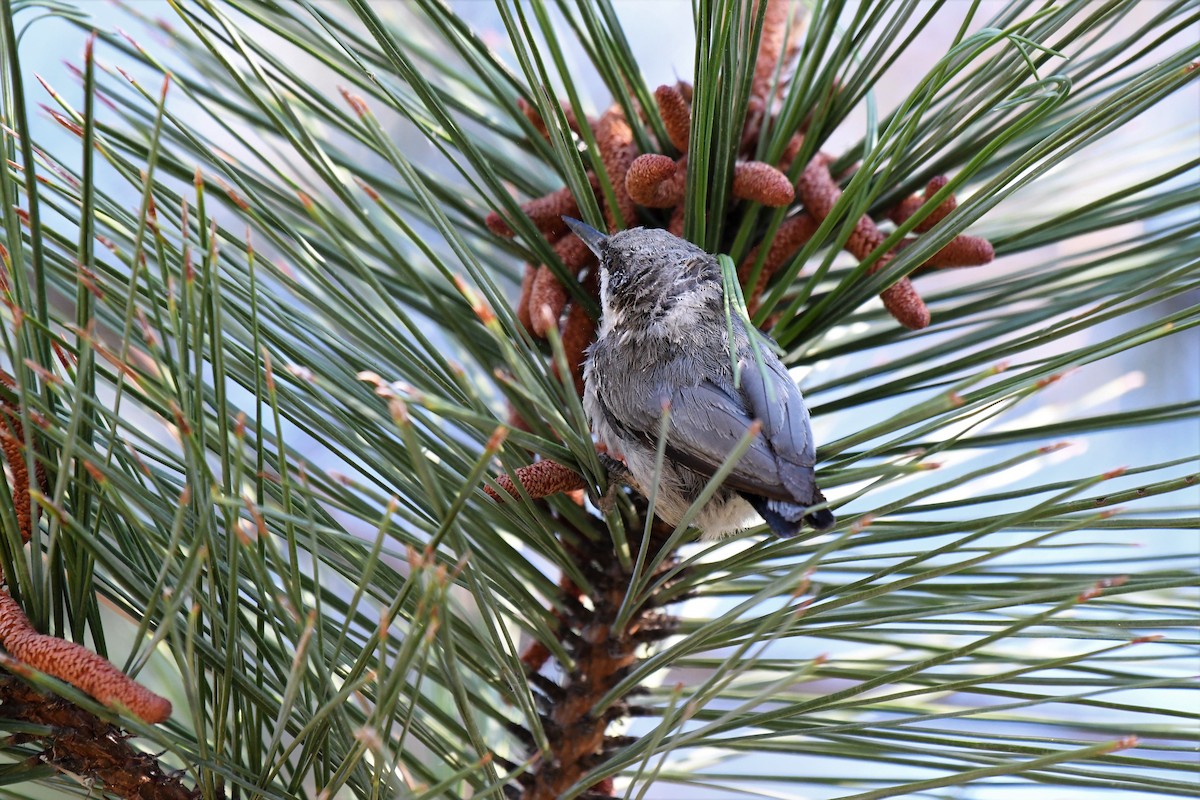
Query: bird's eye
617	278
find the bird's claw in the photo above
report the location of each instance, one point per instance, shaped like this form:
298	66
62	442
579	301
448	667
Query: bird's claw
618	474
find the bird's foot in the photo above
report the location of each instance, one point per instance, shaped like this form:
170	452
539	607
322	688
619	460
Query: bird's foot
618	474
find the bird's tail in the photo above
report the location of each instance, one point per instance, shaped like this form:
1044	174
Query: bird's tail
787	519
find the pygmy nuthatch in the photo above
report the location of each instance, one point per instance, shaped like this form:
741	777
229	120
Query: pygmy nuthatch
664	343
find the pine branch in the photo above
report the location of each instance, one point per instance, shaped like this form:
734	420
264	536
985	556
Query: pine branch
82	745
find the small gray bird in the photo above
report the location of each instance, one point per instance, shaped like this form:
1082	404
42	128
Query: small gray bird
664	340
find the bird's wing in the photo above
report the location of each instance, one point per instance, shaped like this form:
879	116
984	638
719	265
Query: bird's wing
706	425
785	422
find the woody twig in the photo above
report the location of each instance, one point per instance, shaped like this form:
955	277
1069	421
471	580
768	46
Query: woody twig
81	744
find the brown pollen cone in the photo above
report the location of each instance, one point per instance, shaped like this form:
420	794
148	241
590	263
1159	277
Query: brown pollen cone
961	251
908	206
578	333
70	662
819	193
902	301
792	234
790	151
614	139
676	116
523	315
545	212
761	183
573	252
675	225
771	43
12	440
540	479
531	114
547	299
656	181
76	665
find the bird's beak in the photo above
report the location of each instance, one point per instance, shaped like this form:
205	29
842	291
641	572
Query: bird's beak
593	238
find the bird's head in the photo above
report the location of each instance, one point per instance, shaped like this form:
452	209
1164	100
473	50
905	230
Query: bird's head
647	272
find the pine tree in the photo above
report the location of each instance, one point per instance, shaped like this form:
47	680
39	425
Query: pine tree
301	500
